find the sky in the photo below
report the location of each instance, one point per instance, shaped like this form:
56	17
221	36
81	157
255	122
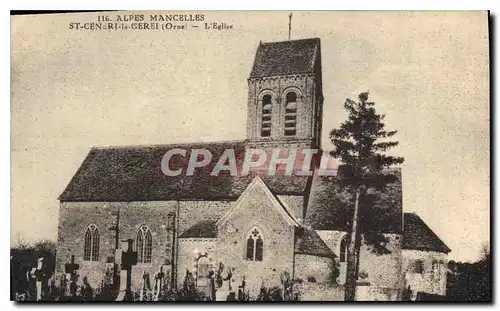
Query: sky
427	71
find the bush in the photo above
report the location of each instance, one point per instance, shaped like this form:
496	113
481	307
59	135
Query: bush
188	291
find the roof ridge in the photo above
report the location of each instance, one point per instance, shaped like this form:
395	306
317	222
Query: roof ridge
163	145
296	40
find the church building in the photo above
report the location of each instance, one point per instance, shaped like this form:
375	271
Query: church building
258	226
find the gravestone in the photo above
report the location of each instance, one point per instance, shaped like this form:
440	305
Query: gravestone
211	286
88	292
145	292
42	278
241	290
70	269
224	286
128	259
159	282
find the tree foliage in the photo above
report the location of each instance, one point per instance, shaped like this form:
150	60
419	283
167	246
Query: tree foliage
470	281
361	143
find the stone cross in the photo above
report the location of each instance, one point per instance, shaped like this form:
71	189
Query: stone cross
145	288
70	270
222	293
128	259
41	279
159	281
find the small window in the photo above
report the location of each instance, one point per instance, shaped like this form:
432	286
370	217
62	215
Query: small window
91	246
144	244
343	249
255	246
291	114
418	266
435	270
267	107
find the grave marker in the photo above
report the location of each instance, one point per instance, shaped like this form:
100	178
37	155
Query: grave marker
70	270
128	259
41	277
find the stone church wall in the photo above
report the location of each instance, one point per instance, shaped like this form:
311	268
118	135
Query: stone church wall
189	251
191	212
278	242
314	269
380	270
332	238
383	271
75	217
432	278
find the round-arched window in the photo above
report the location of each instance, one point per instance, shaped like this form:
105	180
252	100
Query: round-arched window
291	114
267	108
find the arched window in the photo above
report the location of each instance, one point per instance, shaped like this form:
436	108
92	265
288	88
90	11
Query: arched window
203	269
265	126
255	245
343	249
291	114
144	244
91	247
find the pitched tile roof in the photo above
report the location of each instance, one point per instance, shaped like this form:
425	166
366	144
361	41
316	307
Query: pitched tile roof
330	207
122	174
202	229
285	57
310	243
418	236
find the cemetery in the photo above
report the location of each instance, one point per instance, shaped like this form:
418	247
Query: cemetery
38	284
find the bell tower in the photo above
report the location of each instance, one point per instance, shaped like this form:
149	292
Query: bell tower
285	95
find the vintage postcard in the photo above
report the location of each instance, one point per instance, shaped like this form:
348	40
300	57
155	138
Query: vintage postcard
250	156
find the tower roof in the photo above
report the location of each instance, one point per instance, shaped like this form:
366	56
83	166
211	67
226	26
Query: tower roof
285	58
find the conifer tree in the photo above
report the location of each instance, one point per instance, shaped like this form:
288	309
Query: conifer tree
360	144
